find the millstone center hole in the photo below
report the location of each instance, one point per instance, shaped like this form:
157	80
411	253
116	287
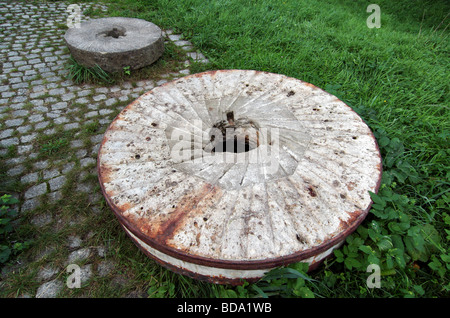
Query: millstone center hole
115	33
233	146
234	136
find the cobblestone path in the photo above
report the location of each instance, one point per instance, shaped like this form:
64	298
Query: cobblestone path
49	137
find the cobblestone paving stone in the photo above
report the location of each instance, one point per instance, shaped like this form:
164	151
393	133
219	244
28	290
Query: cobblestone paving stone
37	100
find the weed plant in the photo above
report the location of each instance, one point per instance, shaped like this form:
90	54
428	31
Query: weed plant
396	77
80	74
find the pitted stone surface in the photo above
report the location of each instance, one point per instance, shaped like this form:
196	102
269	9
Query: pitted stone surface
238	171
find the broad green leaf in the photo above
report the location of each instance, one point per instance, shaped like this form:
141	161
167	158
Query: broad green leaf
366	249
383	141
398	242
445	258
352	263
305	292
372	259
339	256
385	243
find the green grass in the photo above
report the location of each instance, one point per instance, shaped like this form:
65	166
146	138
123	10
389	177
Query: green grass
81	74
396	77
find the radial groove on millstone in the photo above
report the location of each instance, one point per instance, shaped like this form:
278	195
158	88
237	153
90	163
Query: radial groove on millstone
300	186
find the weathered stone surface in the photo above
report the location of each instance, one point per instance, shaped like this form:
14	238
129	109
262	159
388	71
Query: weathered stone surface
297	187
114	43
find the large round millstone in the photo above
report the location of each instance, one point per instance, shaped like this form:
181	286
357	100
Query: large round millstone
224	175
115	43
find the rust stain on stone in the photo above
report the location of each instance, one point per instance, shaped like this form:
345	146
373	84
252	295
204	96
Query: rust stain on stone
106	173
124	207
350	221
185	207
310	85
